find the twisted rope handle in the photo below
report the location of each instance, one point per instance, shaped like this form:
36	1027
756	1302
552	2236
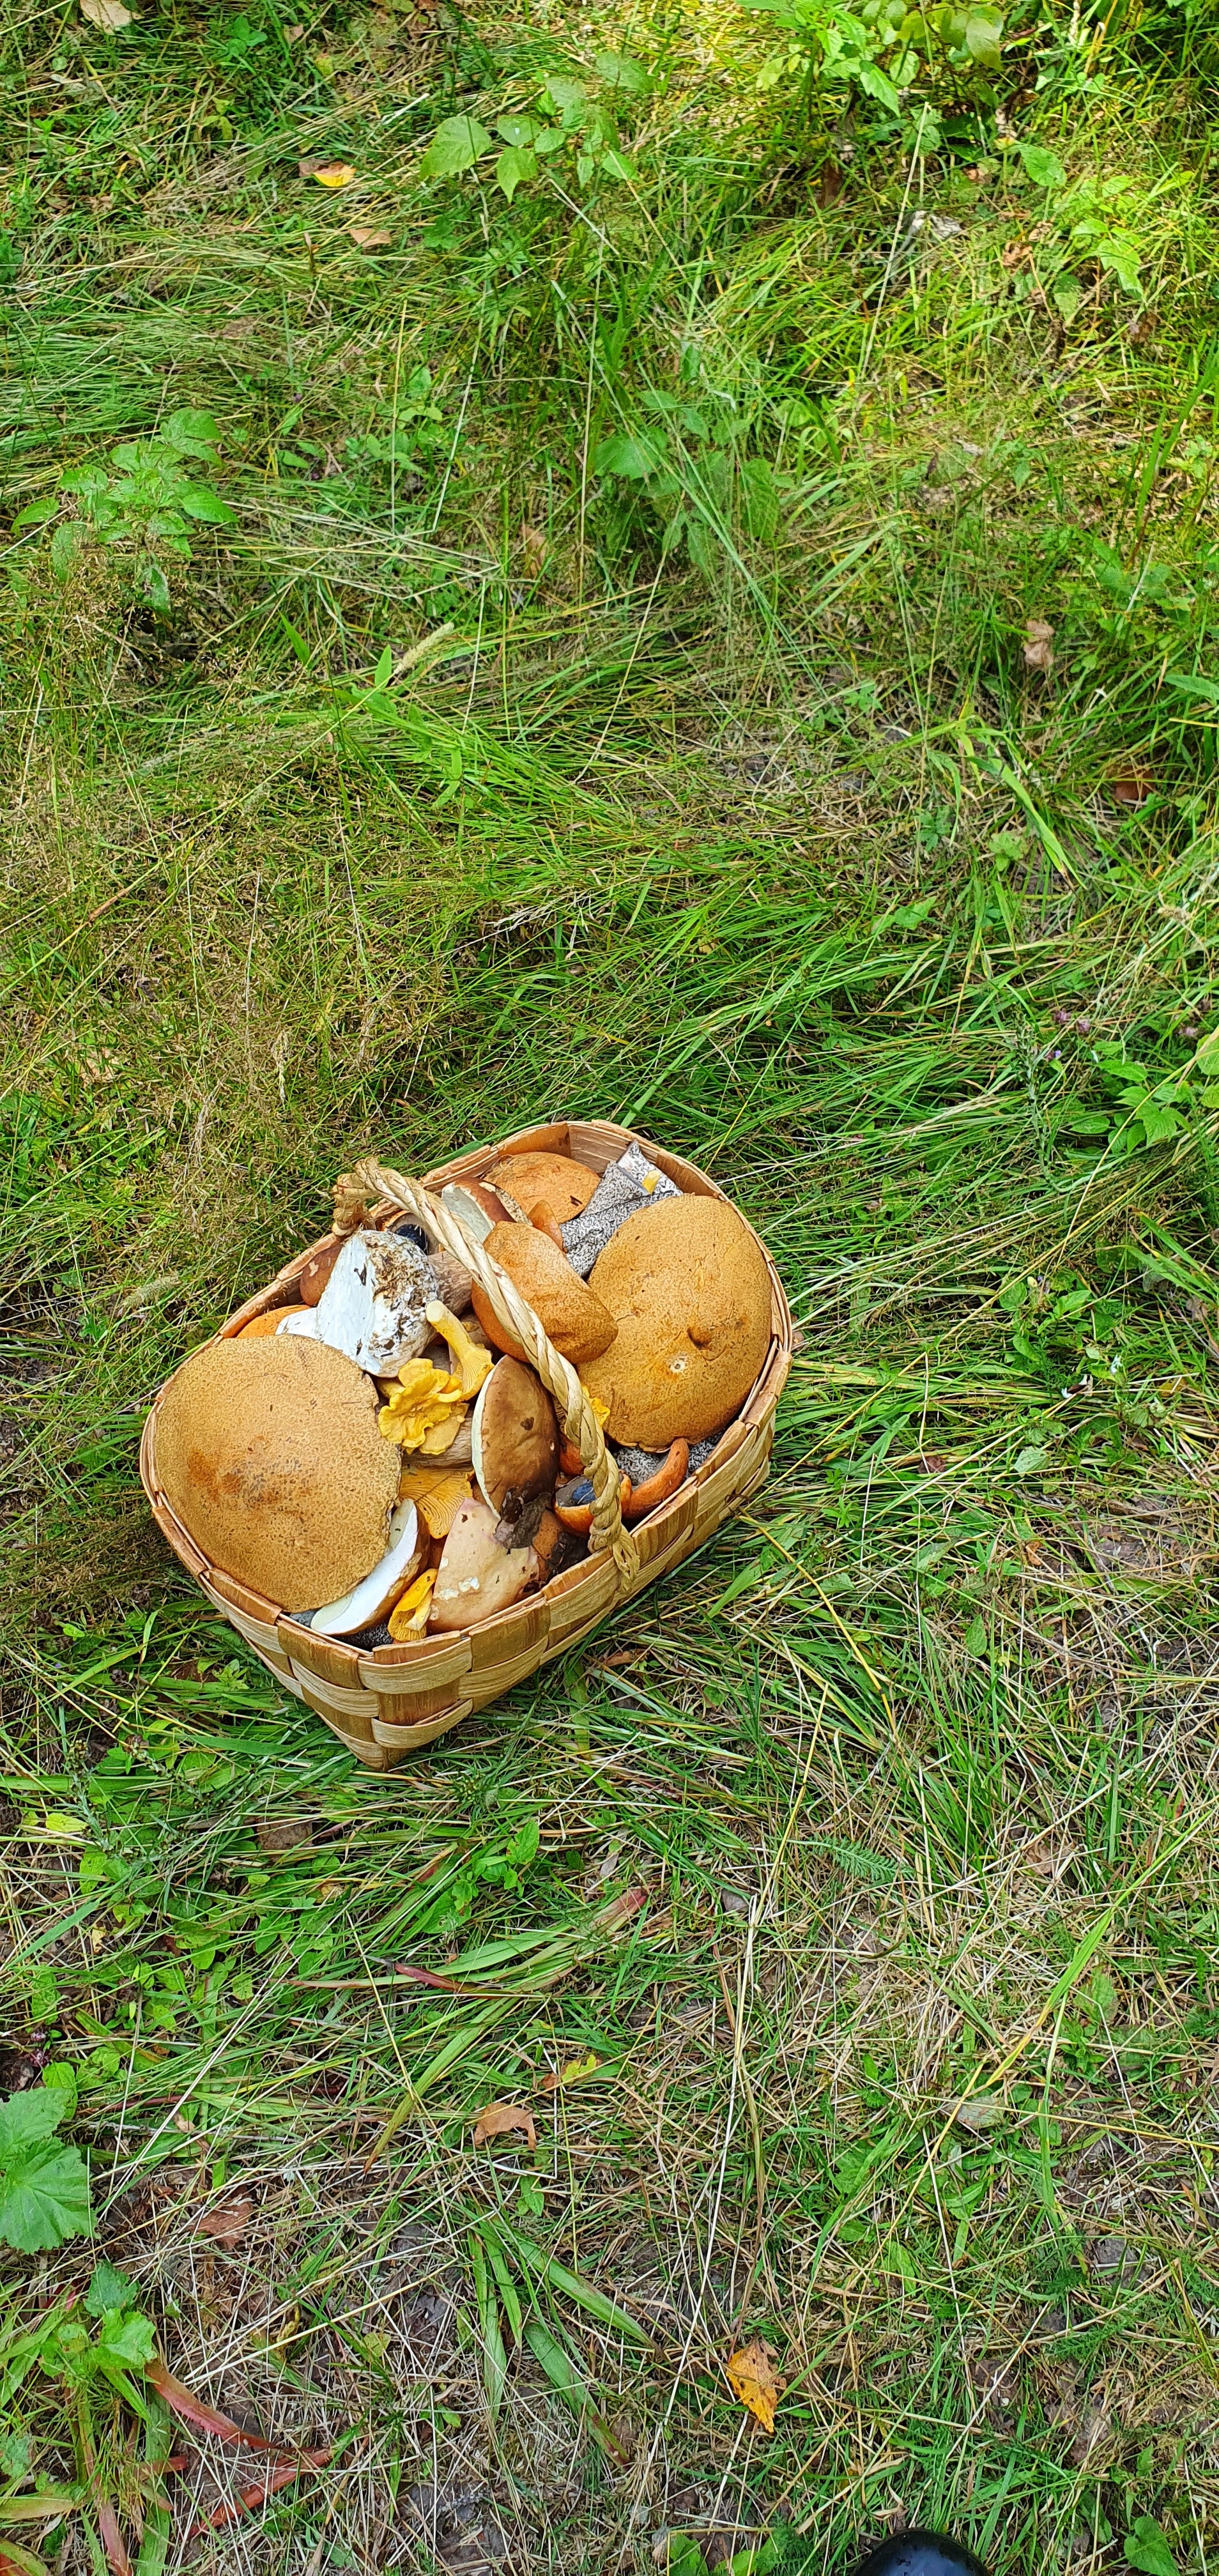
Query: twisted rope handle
557	1374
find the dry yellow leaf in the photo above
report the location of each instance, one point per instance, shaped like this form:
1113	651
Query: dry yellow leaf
108	14
333	174
571	2072
752	2379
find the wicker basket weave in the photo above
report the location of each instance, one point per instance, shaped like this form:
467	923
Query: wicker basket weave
386	1701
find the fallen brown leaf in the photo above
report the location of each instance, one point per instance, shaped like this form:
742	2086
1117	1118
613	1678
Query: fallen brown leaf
281	1834
752	2379
368	237
499	2119
108	14
228	2219
334	174
1039	646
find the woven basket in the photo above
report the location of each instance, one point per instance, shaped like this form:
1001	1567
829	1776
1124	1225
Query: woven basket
386	1701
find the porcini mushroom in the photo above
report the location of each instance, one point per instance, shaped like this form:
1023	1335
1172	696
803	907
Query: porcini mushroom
269	1454
515	1437
567	1310
372	1306
689	1290
477	1575
370	1600
554	1182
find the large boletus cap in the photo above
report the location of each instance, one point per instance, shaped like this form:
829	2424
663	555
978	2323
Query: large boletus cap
566	1307
689	1291
555	1183
515	1436
269	1453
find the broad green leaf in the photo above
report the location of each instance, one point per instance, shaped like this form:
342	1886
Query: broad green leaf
455	146
982	41
36	513
1158	1124
109	2288
876	85
1044	168
199	503
565	93
635	458
1068	295
518	130
516	162
61	2077
551	139
1146	2548
1121	262
26	2119
191	433
126	2339
385	668
65	547
621	71
45	2199
158	588
615	164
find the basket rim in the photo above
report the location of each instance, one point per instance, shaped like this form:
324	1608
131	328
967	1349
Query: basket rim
415	1656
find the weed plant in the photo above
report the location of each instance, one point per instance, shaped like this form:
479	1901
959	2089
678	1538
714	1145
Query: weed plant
698	606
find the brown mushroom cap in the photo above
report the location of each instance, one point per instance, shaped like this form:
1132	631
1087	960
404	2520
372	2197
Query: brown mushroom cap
566	1307
515	1436
550	1181
269	1453
688	1287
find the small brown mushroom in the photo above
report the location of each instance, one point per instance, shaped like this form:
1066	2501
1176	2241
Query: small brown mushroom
317	1270
562	1185
644	1498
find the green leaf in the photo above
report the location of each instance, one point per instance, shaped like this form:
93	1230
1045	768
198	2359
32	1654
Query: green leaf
1146	2548
516	162
982	40
555	2363
621	71
518	130
1030	1460
158	587
1158	1124
615	164
61	2077
565	93
26	2119
1044	168
36	513
1068	295
876	84
551	139
455	146
45	2199
523	1847
127	2340
109	2288
635	458
199	503
191	433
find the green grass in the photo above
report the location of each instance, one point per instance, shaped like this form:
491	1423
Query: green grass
901	1797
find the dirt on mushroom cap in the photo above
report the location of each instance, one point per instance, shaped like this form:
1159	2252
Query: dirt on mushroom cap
269	1453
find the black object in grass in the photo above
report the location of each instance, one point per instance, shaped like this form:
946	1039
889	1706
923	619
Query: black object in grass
920	2553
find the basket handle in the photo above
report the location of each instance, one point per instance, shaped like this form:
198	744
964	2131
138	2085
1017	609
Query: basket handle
557	1374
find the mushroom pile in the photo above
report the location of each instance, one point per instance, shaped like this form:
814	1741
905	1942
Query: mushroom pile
379	1459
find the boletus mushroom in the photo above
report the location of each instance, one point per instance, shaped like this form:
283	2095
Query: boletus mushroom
515	1439
553	1183
373	1306
477	1575
688	1288
369	1601
268	1452
567	1309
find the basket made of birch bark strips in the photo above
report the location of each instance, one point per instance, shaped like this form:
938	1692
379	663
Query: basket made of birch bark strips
386	1701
